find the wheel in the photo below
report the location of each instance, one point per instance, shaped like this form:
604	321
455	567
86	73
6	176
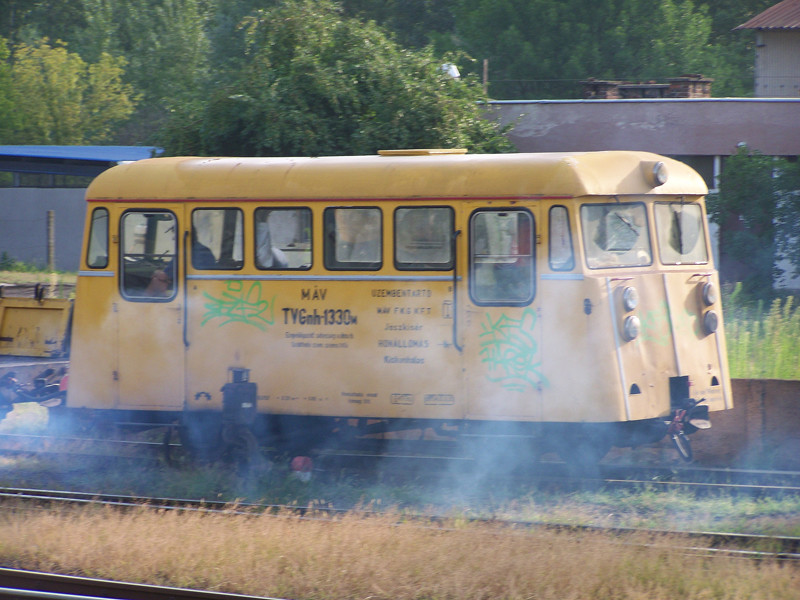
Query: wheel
681	442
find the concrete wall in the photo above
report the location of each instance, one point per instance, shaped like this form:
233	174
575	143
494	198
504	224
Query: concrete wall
762	430
23	224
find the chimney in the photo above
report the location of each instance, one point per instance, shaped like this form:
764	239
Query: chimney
689	86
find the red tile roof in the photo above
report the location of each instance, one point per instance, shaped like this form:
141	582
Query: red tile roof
784	15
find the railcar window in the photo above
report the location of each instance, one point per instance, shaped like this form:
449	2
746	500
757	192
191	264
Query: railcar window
616	235
217	238
423	238
501	257
353	238
148	258
283	238
681	234
562	257
97	254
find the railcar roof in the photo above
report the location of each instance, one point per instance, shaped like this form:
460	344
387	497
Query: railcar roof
392	176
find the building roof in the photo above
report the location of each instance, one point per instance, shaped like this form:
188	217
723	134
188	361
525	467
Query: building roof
672	127
70	160
784	15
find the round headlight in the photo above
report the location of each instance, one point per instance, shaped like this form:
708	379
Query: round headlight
655	172
660	173
631	327
630	298
710	322
709	293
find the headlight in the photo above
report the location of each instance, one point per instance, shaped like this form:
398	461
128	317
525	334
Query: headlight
709	294
631	327
655	173
630	298
710	322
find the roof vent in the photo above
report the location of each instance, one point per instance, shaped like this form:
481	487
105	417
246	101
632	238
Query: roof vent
422	151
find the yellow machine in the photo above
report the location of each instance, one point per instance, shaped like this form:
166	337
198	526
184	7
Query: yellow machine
568	299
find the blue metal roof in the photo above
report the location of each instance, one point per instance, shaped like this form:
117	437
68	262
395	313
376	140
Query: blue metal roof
91	153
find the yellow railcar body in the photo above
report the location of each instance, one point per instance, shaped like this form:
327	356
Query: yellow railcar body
391	343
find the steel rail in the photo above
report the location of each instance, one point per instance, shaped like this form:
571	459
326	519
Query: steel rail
33	584
740	544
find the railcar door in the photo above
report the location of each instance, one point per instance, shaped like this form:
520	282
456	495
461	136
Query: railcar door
150	326
502	330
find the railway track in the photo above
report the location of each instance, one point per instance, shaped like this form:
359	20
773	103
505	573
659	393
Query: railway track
420	462
704	543
16	584
11	443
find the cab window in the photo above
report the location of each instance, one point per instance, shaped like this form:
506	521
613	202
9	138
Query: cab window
501	257
97	253
217	238
616	235
562	257
353	238
423	238
148	258
681	233
283	238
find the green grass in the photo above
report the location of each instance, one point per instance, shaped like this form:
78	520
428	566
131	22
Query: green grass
763	343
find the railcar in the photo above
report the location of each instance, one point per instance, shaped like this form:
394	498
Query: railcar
566	299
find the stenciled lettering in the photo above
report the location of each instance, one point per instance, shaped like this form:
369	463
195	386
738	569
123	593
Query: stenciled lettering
315	294
328	316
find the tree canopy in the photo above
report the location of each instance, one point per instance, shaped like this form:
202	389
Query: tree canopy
182	56
316	82
60	99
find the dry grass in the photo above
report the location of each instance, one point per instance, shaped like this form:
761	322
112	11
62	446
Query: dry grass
375	557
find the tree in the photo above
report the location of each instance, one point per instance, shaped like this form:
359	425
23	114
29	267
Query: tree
60	99
8	116
745	210
542	48
315	82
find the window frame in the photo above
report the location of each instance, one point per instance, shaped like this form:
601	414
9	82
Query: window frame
703	232
331	241
233	266
569	266
102	242
473	264
425	266
645	228
310	215
172	263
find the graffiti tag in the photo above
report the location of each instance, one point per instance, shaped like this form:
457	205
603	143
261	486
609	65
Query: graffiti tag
509	349
240	304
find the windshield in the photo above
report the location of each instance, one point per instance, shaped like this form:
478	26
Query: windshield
681	235
615	235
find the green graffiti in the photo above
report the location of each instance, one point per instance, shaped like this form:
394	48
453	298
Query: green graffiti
509	349
240	304
655	325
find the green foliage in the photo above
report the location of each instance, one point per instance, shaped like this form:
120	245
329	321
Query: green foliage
60	99
9	263
8	115
745	211
763	343
758	211
542	48
178	50
318	83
